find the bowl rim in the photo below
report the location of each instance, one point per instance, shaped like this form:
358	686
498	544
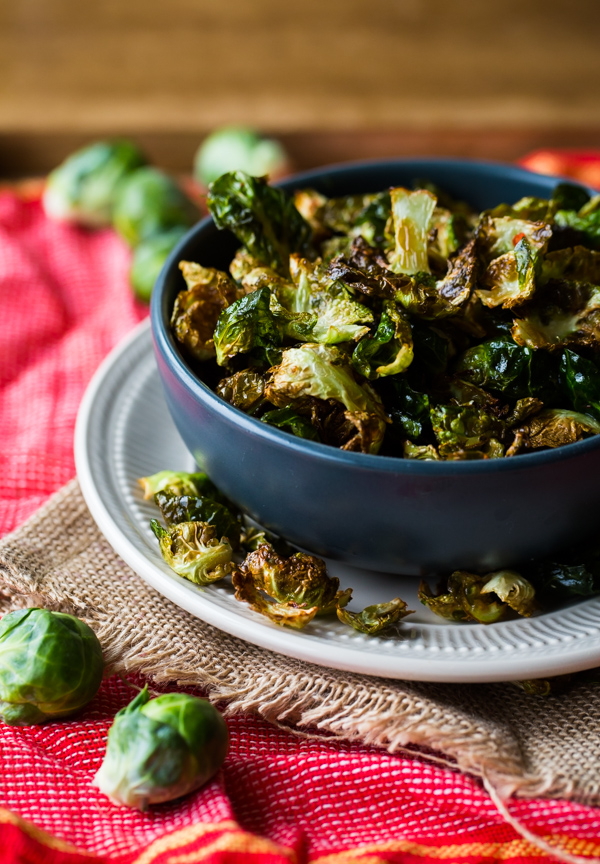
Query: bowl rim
165	345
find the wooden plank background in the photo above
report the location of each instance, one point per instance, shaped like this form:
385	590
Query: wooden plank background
335	77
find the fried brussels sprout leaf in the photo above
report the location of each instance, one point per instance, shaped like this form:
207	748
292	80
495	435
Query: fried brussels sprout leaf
149	202
424	452
161	749
237	148
290	420
245	325
298	587
463	599
411	213
180	483
322	371
50	666
567	313
197	309
83	188
262	217
389	350
459	428
408	408
513	589
190	508
553	427
244	390
581	379
193	551
148	259
377	618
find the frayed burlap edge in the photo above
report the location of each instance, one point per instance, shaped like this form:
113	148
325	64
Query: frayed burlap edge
58	559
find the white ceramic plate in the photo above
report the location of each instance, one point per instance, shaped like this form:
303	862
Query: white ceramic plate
124	431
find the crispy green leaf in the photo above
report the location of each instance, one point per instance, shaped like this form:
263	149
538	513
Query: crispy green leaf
323	372
291	421
463	600
581	379
411	213
262	217
553	427
513	589
459	428
377	618
188	508
180	483
390	349
193	551
244	390
298	587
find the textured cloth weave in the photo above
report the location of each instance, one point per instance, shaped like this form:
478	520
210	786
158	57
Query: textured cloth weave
65	302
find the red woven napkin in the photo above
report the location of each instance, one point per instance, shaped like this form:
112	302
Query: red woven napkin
64	303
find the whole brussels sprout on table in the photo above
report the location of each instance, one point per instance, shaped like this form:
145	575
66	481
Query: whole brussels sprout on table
161	749
50	666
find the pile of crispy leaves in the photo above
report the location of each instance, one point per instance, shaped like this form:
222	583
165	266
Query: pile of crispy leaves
402	322
207	539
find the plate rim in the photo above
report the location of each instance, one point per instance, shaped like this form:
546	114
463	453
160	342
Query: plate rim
263	634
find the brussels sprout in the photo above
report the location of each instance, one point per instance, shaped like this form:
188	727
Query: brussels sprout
408	409
363	268
574	264
553	428
377	618
50	666
566	313
237	148
244	390
196	311
390	349
322	372
581	379
148	259
298	586
513	589
463	600
188	508
424	452
337	316
290	420
193	551
83	189
499	235
246	324
149	202
459	428
263	218
411	212
161	749
514	370
446	229
179	483
568	196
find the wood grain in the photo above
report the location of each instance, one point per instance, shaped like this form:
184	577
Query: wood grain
188	65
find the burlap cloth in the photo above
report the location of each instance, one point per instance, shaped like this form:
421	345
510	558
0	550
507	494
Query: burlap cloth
526	745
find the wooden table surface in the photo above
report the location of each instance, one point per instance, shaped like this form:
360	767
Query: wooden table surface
335	79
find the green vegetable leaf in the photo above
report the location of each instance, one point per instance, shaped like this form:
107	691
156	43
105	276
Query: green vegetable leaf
375	619
50	666
193	551
291	421
160	749
581	379
390	349
246	324
553	428
180	483
411	213
322	372
187	508
262	217
298	587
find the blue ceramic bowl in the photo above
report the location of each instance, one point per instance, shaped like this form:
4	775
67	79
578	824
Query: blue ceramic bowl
378	512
